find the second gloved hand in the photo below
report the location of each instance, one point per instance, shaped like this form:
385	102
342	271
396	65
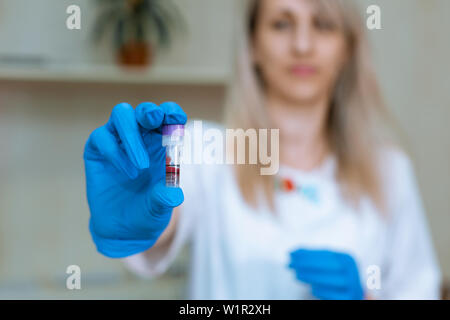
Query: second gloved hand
331	275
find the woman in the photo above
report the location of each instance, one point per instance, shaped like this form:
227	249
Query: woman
348	223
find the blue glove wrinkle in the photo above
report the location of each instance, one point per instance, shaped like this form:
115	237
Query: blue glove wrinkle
123	120
102	143
322	277
327	293
304	258
173	113
149	115
161	200
117	248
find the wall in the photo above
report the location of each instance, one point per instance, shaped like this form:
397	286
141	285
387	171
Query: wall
411	55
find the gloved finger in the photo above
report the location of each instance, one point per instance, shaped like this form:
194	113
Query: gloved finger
149	115
173	113
330	293
150	118
162	199
329	279
315	260
104	142
123	122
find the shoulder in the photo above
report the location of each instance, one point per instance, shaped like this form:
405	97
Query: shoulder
398	182
395	163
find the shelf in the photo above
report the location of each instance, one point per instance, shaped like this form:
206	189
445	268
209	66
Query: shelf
116	74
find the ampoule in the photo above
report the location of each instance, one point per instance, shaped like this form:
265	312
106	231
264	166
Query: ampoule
172	139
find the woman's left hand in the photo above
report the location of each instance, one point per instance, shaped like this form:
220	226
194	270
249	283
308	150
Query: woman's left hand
332	275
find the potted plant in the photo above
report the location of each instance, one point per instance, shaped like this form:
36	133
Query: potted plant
139	27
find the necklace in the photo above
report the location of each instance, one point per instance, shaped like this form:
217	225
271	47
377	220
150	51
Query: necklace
310	192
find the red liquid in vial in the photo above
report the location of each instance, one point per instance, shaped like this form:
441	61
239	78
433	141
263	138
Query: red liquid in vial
172	175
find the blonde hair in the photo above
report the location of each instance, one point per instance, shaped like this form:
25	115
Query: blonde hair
357	118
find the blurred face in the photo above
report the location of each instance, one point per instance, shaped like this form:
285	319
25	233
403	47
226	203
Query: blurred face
299	50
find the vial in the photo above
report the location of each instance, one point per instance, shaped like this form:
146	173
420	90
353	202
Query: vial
172	139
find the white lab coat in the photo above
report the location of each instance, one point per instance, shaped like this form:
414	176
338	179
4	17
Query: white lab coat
240	253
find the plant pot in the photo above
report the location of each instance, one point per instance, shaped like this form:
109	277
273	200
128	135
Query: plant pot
137	54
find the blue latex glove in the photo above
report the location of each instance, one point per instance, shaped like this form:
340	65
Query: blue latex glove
331	275
125	178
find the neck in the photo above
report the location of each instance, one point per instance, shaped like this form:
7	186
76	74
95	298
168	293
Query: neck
303	140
